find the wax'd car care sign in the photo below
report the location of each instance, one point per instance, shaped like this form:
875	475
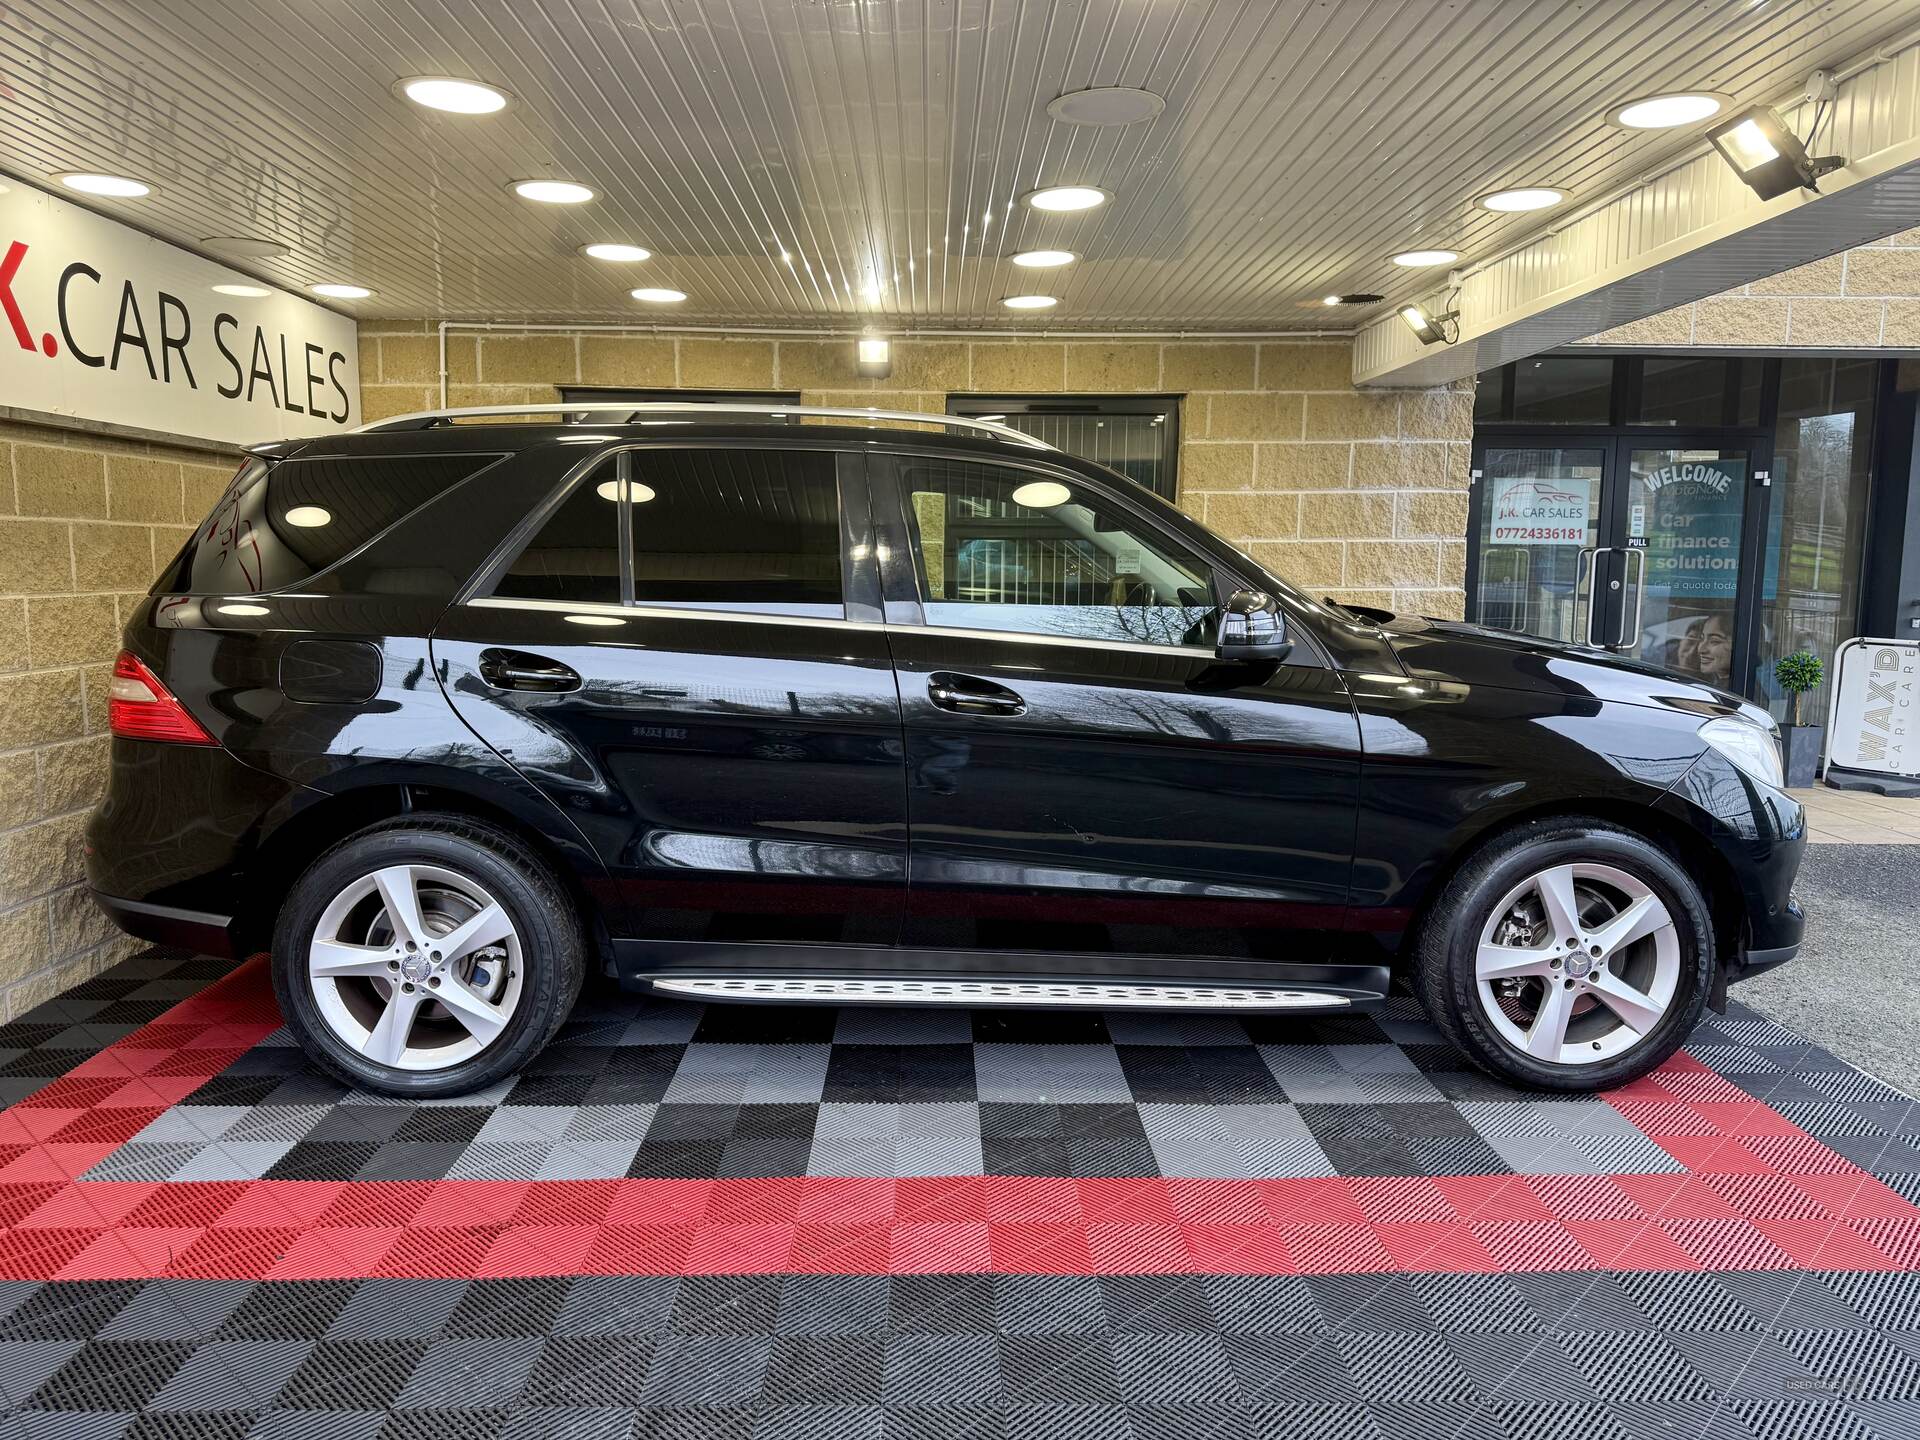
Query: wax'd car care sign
1875	719
1694	550
101	322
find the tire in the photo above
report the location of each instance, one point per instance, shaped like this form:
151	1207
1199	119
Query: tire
516	959
1503	1011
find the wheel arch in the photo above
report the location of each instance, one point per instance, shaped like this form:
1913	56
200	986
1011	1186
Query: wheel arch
307	833
1721	890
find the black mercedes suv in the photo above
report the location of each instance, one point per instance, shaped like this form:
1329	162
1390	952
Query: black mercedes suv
741	705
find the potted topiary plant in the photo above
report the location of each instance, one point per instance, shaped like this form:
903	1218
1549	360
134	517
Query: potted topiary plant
1799	742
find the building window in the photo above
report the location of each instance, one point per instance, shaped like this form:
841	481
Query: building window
1137	435
1822	454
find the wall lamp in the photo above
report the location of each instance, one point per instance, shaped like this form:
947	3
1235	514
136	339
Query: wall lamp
1432	329
874	358
1765	153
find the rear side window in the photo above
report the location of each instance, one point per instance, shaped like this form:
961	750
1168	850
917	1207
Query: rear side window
714	529
737	529
278	526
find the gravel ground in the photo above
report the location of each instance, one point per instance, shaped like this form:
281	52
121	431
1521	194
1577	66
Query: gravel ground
1855	986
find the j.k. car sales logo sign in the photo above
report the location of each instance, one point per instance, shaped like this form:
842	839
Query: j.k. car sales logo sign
104	323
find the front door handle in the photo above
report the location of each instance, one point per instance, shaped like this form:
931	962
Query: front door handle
970	695
517	670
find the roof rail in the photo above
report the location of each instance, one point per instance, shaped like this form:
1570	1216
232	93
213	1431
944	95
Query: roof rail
428	419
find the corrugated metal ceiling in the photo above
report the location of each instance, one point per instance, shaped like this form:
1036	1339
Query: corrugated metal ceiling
884	146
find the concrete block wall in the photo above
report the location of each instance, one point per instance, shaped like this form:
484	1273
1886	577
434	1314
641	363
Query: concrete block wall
1360	496
1866	298
85	524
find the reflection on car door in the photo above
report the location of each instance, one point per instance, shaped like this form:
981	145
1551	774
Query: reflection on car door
1083	775
721	721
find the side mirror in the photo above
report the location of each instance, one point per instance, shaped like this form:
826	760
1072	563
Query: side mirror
1252	628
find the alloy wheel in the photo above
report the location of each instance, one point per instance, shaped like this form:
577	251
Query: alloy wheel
1577	964
416	967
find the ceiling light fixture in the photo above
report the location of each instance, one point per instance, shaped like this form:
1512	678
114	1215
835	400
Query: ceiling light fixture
1431	329
341	292
1527	197
1067	197
1044	259
245	292
873	357
1030	302
309	517
637	494
1665	112
1041	494
1765	154
552	192
1105	105
658	295
620	254
1425	259
115	187
456	97
1352	297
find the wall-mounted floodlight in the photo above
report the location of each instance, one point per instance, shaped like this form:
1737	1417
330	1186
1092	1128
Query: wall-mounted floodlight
1431	329
874	358
1764	153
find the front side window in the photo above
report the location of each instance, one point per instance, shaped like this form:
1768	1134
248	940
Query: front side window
712	529
1002	549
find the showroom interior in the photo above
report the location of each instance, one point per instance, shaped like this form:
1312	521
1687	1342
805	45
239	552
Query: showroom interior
1477	312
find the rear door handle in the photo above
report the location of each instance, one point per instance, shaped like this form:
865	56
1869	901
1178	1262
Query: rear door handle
517	670
970	695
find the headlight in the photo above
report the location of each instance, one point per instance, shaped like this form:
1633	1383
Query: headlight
1753	749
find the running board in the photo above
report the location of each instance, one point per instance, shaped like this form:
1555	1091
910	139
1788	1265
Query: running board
840	990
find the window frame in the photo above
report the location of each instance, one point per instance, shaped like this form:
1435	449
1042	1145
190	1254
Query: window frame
1165	406
859	585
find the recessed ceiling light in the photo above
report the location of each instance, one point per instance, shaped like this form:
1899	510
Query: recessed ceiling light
1420	259
456	97
1067	197
1664	112
1044	259
309	517
1041	495
606	250
1029	302
245	292
342	292
1530	197
636	492
119	187
658	295
552	192
1106	105
250	247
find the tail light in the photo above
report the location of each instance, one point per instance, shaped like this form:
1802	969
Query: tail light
139	707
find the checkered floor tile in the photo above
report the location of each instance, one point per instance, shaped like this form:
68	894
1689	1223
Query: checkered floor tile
756	1223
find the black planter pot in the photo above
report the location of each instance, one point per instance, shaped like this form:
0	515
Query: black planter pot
1800	753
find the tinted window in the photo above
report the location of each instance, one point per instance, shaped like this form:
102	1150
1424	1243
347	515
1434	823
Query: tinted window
1563	390
1696	390
279	525
737	529
576	554
1014	550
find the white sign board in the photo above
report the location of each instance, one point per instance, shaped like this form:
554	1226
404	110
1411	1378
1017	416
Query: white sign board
1873	721
101	322
1527	510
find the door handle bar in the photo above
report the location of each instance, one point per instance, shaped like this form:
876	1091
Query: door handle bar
1639	602
1589	563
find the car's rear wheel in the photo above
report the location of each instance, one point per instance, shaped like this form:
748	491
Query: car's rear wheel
427	956
1567	955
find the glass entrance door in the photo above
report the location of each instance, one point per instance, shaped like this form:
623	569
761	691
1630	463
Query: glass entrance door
1538	535
1632	542
1679	552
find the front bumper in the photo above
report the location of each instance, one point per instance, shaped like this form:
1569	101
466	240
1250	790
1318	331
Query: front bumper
200	931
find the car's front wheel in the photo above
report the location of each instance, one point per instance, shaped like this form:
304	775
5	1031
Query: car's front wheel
426	956
1567	955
